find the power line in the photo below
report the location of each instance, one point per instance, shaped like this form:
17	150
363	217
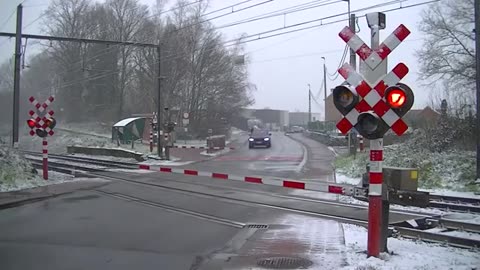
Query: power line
8	18
228	7
295	56
403	7
105	51
339	64
277	13
385	11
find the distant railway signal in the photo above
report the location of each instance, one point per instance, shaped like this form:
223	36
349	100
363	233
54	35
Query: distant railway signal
41	124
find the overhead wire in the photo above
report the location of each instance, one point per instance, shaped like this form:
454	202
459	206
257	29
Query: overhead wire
278	13
389	10
4	23
385	11
105	51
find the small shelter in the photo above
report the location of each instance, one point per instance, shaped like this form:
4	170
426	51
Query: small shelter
128	129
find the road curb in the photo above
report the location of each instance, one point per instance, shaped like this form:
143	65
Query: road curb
305	153
31	197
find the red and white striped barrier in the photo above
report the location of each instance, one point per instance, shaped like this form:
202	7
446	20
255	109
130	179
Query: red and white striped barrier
347	190
202	147
45	158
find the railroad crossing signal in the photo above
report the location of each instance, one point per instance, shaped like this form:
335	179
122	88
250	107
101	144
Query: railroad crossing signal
372	103
373	108
41	122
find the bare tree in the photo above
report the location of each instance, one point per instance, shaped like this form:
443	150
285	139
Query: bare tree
448	55
69	18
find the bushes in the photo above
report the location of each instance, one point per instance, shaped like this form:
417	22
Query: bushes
449	169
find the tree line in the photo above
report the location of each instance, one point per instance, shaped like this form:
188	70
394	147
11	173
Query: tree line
107	82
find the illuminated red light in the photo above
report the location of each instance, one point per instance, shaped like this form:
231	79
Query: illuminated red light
396	98
31	123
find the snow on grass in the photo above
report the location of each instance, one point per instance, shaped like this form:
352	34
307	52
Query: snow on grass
216	153
130	170
448	170
15	171
54	178
97	129
407	254
172	162
343	179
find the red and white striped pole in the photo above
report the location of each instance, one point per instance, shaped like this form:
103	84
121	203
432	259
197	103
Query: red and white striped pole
45	158
375	197
151	135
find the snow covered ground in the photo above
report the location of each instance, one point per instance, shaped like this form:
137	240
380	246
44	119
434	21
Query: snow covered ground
216	153
38	181
172	162
343	179
407	254
449	170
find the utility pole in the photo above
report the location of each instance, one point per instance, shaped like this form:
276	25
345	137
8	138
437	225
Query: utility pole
18	54
325	81
353	56
309	105
16	77
352	136
159	105
477	60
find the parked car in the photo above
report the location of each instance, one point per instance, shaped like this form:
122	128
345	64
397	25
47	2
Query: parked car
260	138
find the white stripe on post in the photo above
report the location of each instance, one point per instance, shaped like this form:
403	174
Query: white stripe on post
376	166
376	144
375	190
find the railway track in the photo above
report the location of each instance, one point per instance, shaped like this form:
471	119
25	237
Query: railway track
471	205
449	203
101	170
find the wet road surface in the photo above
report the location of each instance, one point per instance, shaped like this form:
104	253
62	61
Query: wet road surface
172	222
285	159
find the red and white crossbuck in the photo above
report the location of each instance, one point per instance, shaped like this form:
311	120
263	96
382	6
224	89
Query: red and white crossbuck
372	94
41	115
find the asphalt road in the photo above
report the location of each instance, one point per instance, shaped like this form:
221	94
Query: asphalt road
170	221
284	159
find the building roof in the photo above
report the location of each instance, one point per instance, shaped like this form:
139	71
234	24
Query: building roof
125	122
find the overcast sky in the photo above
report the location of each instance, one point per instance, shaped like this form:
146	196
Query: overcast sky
281	67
